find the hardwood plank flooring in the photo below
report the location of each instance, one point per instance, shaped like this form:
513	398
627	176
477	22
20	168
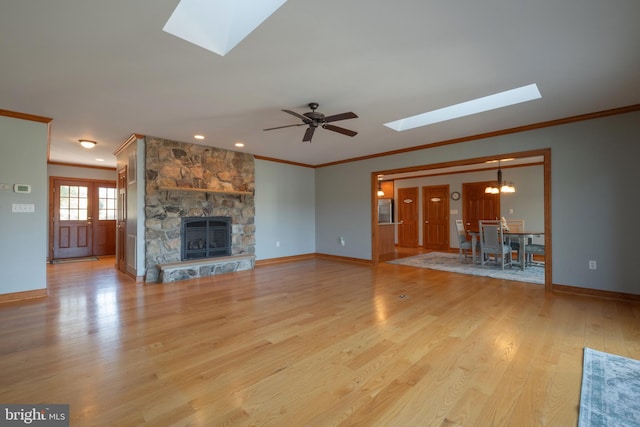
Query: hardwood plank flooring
316	342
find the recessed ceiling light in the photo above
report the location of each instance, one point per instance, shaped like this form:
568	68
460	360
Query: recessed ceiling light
218	25
198	136
491	102
239	144
99	160
86	143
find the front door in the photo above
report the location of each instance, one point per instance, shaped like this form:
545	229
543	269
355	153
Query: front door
83	218
435	211
477	205
408	217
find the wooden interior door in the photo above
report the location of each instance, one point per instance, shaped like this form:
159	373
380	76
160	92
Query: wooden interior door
83	218
408	217
477	205
435	211
121	225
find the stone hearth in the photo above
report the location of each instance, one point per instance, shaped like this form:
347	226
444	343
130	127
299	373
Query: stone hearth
192	269
188	180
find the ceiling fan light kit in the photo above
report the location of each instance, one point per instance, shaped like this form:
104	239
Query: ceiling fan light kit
314	119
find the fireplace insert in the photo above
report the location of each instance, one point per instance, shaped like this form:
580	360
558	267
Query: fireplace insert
206	237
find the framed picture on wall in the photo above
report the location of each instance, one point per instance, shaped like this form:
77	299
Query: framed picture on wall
131	168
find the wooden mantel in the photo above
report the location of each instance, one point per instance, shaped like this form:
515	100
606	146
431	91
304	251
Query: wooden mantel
207	190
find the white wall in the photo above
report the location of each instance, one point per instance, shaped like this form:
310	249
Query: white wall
594	197
81	172
343	209
285	210
23	236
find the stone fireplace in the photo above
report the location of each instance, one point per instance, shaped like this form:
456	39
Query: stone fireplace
193	183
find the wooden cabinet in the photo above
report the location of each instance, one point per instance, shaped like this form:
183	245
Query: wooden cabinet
386	241
387	188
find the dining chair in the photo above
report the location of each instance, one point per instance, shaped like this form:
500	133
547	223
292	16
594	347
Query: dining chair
532	249
492	243
515	225
464	244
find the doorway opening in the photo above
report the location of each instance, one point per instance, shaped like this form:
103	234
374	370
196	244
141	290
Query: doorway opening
82	218
543	157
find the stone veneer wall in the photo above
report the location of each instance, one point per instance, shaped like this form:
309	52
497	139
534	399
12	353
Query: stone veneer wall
181	165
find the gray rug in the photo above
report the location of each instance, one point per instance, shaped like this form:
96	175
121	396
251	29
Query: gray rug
449	262
610	390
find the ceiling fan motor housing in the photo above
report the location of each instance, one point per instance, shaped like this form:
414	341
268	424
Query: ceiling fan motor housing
314	120
316	117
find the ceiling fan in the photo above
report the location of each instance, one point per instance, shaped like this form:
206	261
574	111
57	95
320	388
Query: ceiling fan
314	119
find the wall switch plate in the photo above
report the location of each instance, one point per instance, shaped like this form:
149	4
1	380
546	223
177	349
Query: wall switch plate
23	208
593	265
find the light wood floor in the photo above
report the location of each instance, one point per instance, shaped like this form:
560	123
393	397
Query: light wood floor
308	343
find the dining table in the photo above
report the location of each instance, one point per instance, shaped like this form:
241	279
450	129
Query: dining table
521	236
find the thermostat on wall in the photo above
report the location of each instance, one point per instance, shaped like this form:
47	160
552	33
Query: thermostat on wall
22	188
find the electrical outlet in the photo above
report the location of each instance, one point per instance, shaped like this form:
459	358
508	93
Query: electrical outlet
593	265
341	241
277	243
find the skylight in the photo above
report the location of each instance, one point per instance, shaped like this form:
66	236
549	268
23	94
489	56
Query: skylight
491	102
218	25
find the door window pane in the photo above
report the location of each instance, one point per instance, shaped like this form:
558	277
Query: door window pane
73	203
106	203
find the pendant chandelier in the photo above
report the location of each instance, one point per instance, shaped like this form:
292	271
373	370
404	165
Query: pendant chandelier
502	187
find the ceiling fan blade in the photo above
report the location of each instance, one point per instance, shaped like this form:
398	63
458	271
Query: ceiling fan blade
300	116
340	130
342	116
286	126
309	134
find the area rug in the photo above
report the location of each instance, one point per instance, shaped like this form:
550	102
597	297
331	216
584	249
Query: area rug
450	262
69	260
610	393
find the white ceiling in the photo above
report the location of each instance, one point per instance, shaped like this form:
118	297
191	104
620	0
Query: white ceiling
105	69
